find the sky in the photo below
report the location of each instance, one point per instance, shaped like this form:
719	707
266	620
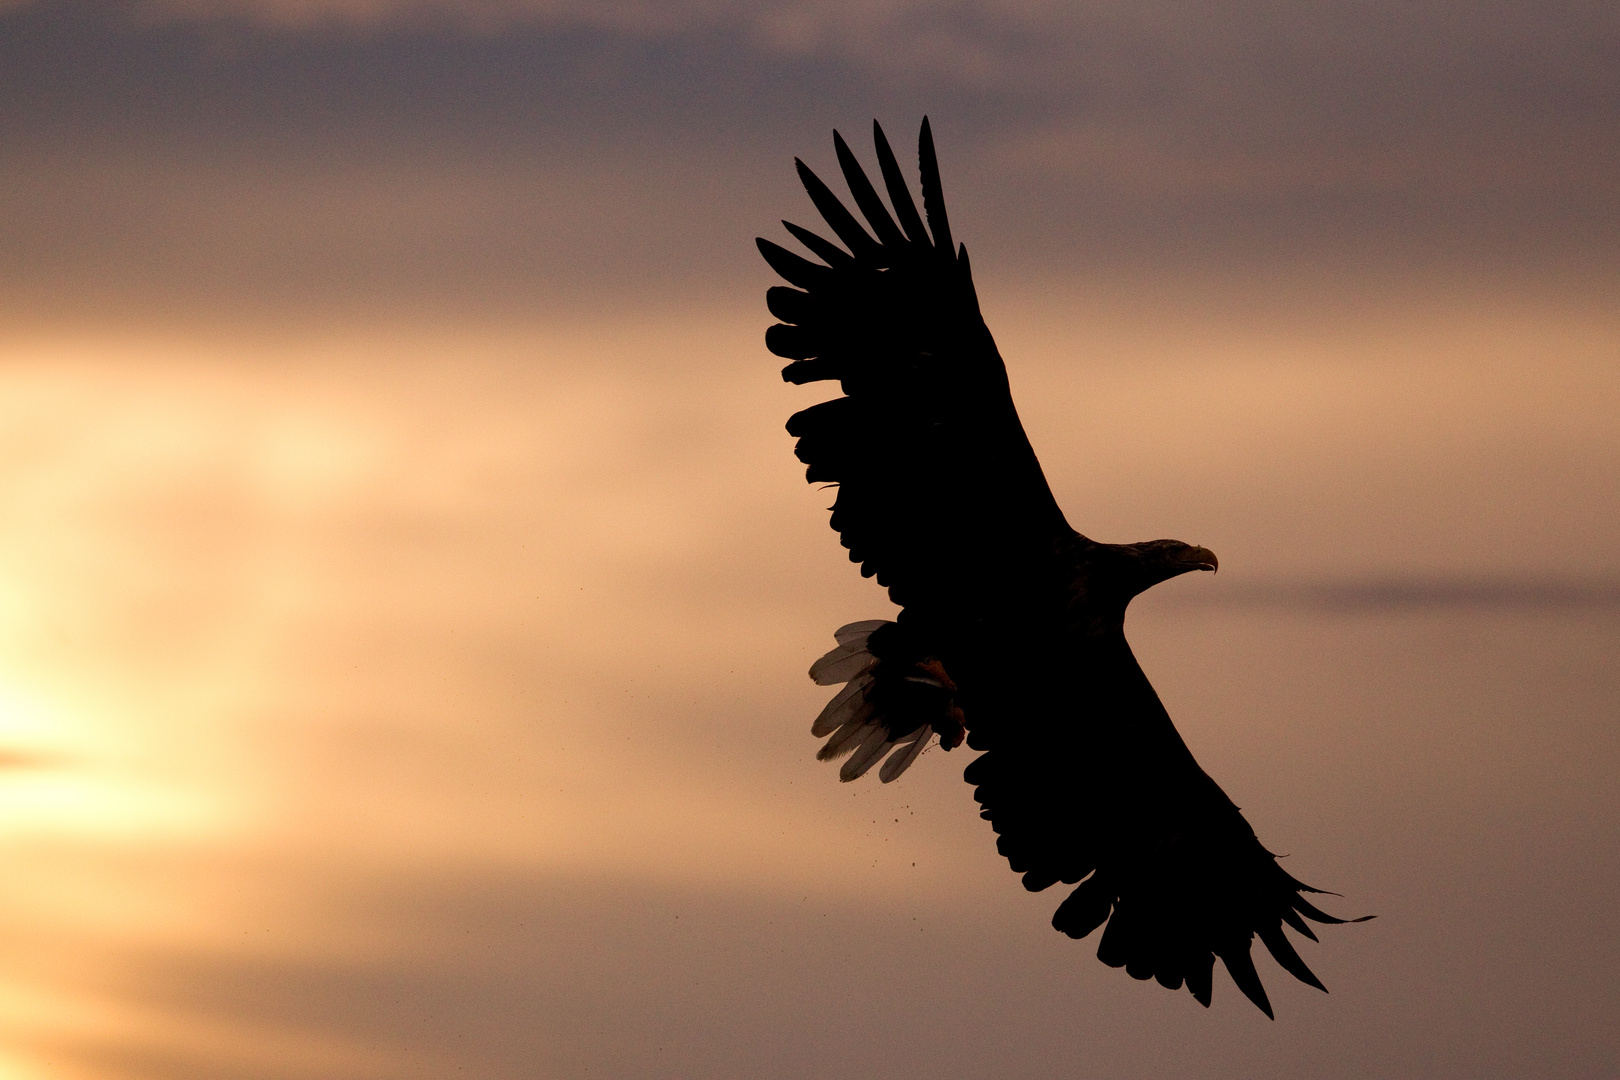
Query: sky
407	586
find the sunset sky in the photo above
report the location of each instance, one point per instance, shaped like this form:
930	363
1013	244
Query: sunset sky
407	585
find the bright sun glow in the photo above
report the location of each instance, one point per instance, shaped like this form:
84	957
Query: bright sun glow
65	776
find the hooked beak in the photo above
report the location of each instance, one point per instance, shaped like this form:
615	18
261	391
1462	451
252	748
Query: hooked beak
1204	559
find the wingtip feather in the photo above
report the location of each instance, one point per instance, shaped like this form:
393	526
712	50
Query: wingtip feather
933	192
1240	965
865	195
1283	951
905	208
1201	978
837	215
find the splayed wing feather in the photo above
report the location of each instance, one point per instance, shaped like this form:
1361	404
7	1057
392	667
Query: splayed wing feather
933	191
866	197
1201	978
899	194
1240	965
795	268
1282	950
828	252
1291	917
842	222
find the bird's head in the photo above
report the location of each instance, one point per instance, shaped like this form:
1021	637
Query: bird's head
1142	566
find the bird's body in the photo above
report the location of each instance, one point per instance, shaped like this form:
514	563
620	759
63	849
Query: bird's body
1012	629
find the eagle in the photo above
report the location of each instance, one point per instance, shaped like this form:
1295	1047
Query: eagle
1011	630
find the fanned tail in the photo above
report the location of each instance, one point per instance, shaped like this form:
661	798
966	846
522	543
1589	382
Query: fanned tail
892	705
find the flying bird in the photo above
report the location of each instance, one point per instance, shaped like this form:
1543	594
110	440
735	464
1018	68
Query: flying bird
1011	634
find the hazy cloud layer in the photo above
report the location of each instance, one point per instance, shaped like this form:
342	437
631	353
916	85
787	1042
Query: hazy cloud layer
1359	74
434	150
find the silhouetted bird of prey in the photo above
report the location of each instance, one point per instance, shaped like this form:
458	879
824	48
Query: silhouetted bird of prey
1012	628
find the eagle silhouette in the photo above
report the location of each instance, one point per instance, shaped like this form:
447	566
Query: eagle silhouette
1011	634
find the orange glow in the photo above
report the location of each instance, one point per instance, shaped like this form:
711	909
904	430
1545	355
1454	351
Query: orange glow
288	623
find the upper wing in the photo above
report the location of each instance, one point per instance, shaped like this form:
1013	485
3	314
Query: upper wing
939	493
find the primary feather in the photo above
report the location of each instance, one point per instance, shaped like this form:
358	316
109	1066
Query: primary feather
1012	623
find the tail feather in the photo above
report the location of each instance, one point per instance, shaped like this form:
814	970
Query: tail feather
857	632
842	664
910	749
843	707
851	735
872	748
893	703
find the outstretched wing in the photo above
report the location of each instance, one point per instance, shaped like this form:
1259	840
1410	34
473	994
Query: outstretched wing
1093	780
939	494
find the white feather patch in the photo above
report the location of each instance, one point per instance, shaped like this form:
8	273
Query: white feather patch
842	664
866	755
843	707
906	753
858	631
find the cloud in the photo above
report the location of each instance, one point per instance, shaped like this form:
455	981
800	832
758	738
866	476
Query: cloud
1340	56
299	151
476	15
